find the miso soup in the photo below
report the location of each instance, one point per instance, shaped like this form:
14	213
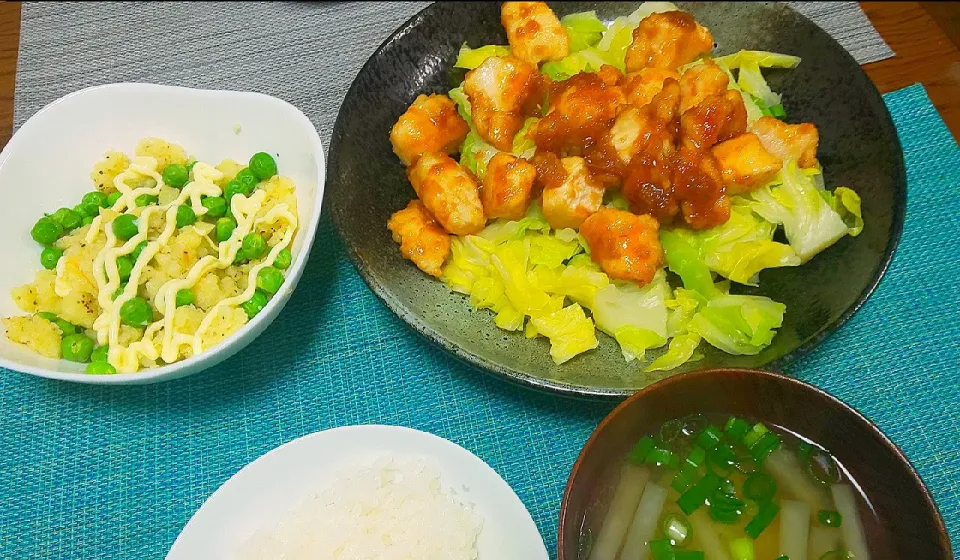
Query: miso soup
727	488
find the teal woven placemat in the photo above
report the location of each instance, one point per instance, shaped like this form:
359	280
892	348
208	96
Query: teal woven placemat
115	472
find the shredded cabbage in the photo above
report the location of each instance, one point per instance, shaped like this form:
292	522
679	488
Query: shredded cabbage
752	81
796	200
846	202
570	332
471	58
463	104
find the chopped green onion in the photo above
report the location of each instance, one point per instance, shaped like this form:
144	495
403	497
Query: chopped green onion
754	435
829	517
670	430
699	493
726	508
760	522
643	448
661	549
684	478
676	527
822	467
689	555
784	557
735	429
696	457
722	459
709	438
741	549
661	458
760	486
745	463
764	446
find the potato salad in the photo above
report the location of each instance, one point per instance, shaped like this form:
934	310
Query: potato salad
166	258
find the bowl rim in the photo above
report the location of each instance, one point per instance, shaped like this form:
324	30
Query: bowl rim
556	387
853	414
232	344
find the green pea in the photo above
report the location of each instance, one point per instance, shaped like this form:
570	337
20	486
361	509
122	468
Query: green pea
225	227
46	231
255	304
136	312
95	198
77	348
146	199
66	327
86	221
232	188
68	218
100	368
125	226
184	297
283	260
52	317
176	175
190	165
112	199
119	291
247	180
49	257
263	165
185	216
92	210
124	267
216	206
269	279
100	354
135	255
239	258
254	245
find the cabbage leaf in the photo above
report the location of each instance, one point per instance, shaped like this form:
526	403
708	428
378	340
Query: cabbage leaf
471	58
636	317
584	28
569	330
738	324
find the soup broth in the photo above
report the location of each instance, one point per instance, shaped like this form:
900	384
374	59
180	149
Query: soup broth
727	488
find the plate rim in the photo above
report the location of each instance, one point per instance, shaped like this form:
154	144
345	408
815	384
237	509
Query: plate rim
583	392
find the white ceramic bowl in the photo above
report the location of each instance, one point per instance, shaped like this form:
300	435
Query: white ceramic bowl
48	161
265	491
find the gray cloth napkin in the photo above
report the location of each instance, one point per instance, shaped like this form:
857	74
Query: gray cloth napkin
306	53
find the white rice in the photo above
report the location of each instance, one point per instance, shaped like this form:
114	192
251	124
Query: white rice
389	510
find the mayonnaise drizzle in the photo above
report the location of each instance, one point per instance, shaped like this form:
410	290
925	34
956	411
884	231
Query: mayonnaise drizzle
107	325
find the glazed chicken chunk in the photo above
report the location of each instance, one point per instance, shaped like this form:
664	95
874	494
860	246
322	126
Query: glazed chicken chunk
649	130
642	86
502	92
625	245
698	185
667	40
788	141
421	238
717	118
570	192
449	193
701	81
744	163
431	124
507	187
534	32
581	109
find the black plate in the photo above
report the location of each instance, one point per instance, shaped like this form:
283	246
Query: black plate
859	148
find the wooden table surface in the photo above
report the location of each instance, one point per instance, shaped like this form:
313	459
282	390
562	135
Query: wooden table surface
924	35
